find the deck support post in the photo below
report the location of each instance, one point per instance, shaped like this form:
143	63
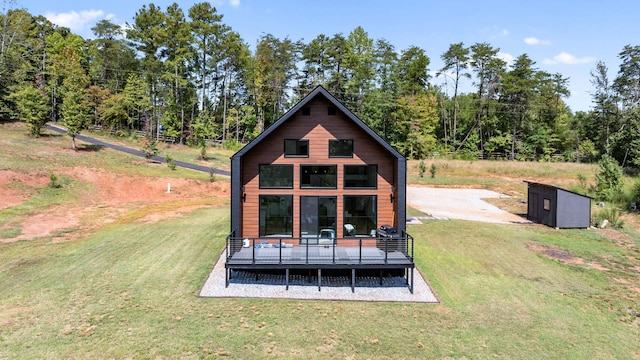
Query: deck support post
287	278
411	288
353	280
380	277
319	279
227	275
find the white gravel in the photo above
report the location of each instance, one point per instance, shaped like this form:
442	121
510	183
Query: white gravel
215	287
464	204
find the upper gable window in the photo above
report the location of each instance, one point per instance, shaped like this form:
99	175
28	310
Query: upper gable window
276	176
296	148
361	176
306	111
331	110
318	176
341	148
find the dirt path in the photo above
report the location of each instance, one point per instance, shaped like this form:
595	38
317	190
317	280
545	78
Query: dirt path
464	204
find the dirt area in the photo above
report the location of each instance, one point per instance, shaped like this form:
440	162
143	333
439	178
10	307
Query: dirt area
110	196
563	256
465	204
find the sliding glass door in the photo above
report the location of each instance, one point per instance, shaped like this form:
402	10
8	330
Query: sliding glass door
317	218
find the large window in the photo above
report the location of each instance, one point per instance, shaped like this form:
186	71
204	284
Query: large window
341	148
276	215
317	218
361	176
360	215
296	148
276	176
318	176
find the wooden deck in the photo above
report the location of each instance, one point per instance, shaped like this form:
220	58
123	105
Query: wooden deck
342	256
388	254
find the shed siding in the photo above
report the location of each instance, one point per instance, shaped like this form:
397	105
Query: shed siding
574	211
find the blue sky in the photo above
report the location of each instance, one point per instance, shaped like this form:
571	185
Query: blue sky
561	36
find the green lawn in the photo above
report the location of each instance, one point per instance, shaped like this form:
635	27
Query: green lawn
130	291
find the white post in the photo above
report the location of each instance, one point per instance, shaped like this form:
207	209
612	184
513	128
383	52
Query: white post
168	188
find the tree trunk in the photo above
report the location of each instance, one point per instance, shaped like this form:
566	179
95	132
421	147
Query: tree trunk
513	137
224	109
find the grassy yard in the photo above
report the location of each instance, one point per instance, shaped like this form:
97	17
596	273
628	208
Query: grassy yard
500	175
129	291
52	153
128	288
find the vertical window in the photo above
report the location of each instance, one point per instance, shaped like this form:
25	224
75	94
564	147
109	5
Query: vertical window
276	176
341	148
318	176
360	215
276	215
317	218
546	204
296	148
361	176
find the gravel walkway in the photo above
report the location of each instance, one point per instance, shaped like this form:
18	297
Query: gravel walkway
465	204
244	285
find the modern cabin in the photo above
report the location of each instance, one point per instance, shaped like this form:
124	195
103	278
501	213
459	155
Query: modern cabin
318	190
557	207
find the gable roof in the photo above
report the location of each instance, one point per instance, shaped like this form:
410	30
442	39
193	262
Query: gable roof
319	90
555	188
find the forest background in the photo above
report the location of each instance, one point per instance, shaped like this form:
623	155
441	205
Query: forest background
185	74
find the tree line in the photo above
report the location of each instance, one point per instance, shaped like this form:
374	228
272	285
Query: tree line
188	75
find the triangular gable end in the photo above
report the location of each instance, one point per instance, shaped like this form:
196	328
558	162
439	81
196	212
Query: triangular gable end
319	90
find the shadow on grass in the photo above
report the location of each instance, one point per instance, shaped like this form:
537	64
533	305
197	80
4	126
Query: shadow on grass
51	135
90	148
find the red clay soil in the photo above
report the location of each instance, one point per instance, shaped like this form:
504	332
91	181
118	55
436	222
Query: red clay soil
111	195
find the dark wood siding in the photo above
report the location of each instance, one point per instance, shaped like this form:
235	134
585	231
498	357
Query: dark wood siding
318	128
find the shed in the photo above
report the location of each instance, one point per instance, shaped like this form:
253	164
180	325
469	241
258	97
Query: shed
557	207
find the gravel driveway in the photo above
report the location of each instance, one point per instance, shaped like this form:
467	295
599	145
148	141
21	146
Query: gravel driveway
465	204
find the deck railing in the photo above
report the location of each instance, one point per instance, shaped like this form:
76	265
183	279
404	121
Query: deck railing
311	250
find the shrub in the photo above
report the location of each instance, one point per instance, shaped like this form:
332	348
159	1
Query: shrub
432	170
232	144
171	163
212	174
608	180
54	181
422	168
612	215
149	148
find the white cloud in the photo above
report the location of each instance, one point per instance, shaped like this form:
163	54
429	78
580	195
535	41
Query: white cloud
505	32
508	58
77	21
568	59
235	3
536	41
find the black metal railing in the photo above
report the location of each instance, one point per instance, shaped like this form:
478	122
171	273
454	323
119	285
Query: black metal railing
395	249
